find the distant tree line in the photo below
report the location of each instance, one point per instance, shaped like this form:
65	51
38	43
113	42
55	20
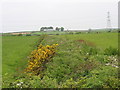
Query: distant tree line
59	29
43	28
51	28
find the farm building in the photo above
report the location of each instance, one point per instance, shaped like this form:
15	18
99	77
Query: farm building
17	33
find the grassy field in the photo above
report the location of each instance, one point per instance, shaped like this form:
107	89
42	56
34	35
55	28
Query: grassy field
102	40
52	32
80	60
15	50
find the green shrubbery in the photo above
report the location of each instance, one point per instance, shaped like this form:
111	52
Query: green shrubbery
28	34
111	51
77	32
104	77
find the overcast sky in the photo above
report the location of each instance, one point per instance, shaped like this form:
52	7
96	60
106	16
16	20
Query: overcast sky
23	15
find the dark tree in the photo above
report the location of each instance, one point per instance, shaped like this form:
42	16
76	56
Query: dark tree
89	30
57	29
42	29
50	27
62	29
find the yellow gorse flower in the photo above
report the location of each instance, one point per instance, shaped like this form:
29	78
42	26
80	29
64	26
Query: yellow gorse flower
39	57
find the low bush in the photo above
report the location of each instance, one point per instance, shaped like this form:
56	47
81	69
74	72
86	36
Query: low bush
111	51
39	58
28	34
70	33
78	33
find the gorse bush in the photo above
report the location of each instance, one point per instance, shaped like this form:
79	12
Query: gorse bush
39	57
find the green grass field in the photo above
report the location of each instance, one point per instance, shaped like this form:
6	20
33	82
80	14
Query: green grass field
15	50
102	40
52	32
68	66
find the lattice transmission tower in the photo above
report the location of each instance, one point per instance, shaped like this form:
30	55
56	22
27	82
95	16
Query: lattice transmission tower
108	21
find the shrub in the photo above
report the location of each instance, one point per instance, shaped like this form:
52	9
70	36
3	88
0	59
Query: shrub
39	58
87	50
28	34
34	82
111	51
70	33
105	77
78	33
19	34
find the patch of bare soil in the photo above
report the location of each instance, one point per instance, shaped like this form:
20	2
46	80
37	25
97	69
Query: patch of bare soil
86	42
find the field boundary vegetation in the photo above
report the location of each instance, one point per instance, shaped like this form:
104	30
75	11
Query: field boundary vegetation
77	62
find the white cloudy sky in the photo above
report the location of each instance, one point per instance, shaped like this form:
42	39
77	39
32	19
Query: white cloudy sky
20	15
